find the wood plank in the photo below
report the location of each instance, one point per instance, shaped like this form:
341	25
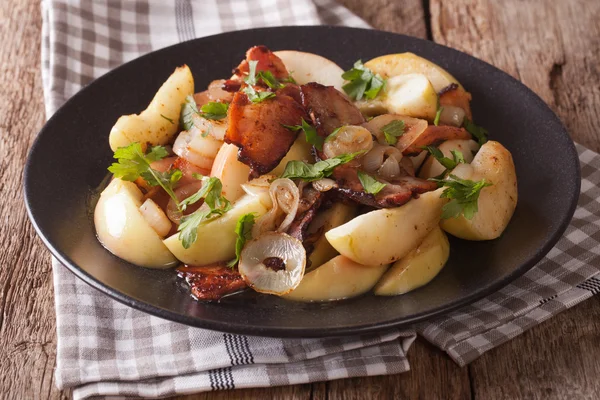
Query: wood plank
406	17
554	48
27	324
432	376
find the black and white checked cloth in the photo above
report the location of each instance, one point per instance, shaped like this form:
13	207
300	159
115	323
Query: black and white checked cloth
108	349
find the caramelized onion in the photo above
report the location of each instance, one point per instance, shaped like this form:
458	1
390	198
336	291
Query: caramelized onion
182	193
349	139
390	168
452	115
324	185
286	198
274	263
374	159
197	149
155	217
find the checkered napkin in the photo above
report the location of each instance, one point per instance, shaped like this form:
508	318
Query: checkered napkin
108	349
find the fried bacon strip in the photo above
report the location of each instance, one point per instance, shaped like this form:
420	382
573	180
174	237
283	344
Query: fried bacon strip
310	202
394	194
267	61
434	135
454	95
211	282
329	108
257	129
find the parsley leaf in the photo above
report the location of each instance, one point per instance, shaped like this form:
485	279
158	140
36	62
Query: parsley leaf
312	137
436	120
393	131
243	230
332	135
314	172
132	163
464	195
168	119
479	133
216	205
448	163
371	185
188	109
362	82
256	96
214	110
269	79
251	78
289	79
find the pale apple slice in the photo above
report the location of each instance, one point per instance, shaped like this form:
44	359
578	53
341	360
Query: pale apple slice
301	150
383	236
339	278
216	238
408	63
336	215
496	203
309	67
411	95
417	268
123	230
159	122
431	167
230	171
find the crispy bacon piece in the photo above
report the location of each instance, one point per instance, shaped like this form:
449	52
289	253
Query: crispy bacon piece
310	201
434	135
215	92
454	95
257	129
267	61
329	108
211	282
394	194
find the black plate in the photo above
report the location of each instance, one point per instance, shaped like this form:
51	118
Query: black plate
70	156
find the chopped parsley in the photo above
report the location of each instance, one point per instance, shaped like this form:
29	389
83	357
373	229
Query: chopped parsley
393	131
370	184
362	82
464	195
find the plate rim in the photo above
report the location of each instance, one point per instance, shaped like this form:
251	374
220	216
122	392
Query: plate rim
304	332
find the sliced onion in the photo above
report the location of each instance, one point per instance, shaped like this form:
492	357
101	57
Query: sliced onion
198	150
259	185
324	185
214	127
374	159
286	199
390	168
418	160
155	217
182	193
452	115
288	253
349	139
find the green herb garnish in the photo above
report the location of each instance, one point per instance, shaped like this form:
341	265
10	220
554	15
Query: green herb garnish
370	184
243	230
479	133
214	110
436	120
362	82
312	137
133	163
464	195
393	131
319	170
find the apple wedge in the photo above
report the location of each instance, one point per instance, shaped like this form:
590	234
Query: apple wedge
383	236
309	67
431	167
300	150
217	237
124	231
339	278
159	122
496	203
408	63
411	95
418	267
336	215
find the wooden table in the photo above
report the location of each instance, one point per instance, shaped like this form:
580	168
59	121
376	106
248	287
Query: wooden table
552	46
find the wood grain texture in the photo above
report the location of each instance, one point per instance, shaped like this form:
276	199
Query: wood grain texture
552	46
27	324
